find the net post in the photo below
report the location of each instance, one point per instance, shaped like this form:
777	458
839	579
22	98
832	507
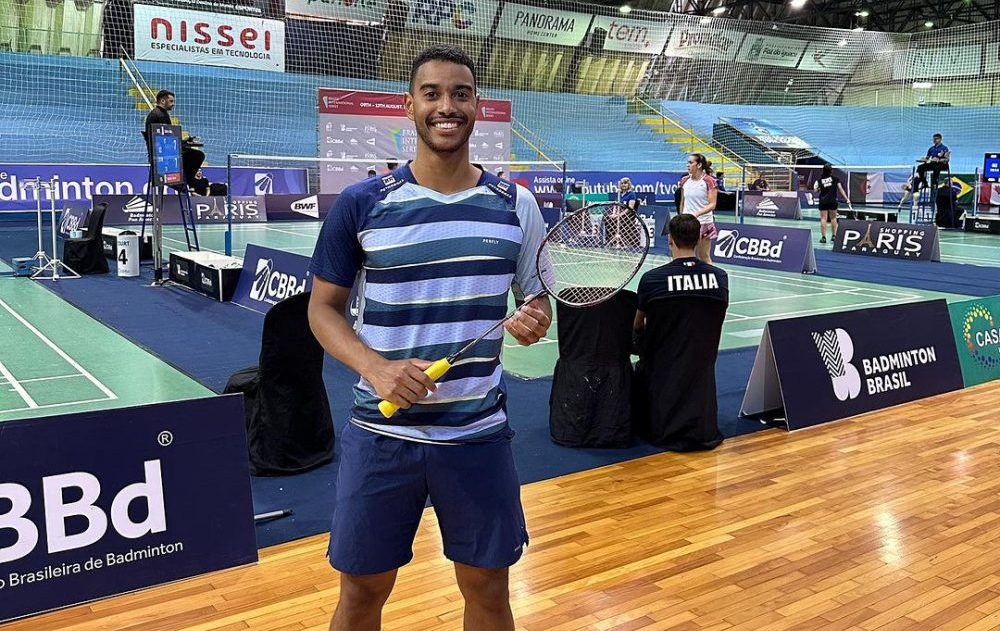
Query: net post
975	193
739	190
229	205
563	208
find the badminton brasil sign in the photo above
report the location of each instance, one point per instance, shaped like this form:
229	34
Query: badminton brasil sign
123	499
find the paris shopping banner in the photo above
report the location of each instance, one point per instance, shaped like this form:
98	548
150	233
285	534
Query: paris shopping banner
106	502
820	368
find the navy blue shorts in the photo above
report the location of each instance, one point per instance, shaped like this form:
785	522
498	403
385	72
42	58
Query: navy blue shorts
382	488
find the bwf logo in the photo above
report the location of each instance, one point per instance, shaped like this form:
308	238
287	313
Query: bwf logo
836	348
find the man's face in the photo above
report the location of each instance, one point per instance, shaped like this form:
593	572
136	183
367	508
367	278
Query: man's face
166	103
937	140
442	103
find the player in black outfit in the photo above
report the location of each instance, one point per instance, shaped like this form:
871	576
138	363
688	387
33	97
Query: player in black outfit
677	329
828	185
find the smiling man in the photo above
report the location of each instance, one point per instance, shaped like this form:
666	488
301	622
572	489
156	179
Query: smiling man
435	246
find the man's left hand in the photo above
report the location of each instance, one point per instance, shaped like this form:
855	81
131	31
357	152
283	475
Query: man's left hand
530	322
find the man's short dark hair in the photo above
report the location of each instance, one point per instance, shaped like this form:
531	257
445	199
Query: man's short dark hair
162	94
442	52
685	230
938	136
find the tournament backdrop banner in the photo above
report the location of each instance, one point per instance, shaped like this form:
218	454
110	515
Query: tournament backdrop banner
373	125
122	499
543	25
835	365
460	17
298	207
772	204
269	276
766	133
81	182
633	36
133	210
209	39
892	240
976	326
768	247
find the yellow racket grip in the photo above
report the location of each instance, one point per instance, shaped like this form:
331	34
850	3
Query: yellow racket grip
435	371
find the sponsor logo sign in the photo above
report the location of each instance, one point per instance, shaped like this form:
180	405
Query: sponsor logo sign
981	223
771	51
830	58
766	133
269	276
210	39
536	24
772	204
81	182
633	36
74	217
704	43
172	503
370	11
943	61
453	16
836	365
133	210
892	240
976	326
547	186
769	247
298	207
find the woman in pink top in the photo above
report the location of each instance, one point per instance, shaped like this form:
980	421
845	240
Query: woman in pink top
698	197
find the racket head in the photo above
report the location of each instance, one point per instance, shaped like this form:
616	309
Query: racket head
592	253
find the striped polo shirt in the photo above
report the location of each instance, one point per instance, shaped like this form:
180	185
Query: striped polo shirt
433	273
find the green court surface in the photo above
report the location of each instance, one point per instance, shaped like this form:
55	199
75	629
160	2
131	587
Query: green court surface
756	296
56	359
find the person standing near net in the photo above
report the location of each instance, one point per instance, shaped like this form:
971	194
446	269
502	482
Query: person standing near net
699	195
827	187
436	246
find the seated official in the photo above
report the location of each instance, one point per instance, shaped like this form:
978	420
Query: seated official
760	184
936	160
677	328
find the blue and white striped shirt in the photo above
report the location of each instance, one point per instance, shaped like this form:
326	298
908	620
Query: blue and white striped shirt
433	273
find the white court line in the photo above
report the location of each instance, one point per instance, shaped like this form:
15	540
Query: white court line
17	387
295	234
52	405
788	297
747	333
69	360
45	378
166	238
782	316
544	340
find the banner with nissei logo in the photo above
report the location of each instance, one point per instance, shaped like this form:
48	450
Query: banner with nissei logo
121	500
835	365
269	276
768	247
976	326
886	239
772	204
210	39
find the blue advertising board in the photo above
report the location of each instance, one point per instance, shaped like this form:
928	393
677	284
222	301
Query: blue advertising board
100	503
547	186
766	133
81	182
125	210
269	276
834	365
299	207
767	247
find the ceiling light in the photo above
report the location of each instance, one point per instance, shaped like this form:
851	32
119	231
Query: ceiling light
842	42
929	24
718	10
863	13
625	9
797	4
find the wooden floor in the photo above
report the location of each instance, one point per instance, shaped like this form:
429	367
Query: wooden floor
889	521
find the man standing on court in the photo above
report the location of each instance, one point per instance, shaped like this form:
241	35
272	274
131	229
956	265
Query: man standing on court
434	246
677	329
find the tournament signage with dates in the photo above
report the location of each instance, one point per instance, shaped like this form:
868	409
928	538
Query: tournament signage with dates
888	239
369	128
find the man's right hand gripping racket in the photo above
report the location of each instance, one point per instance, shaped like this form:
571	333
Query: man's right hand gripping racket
585	259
